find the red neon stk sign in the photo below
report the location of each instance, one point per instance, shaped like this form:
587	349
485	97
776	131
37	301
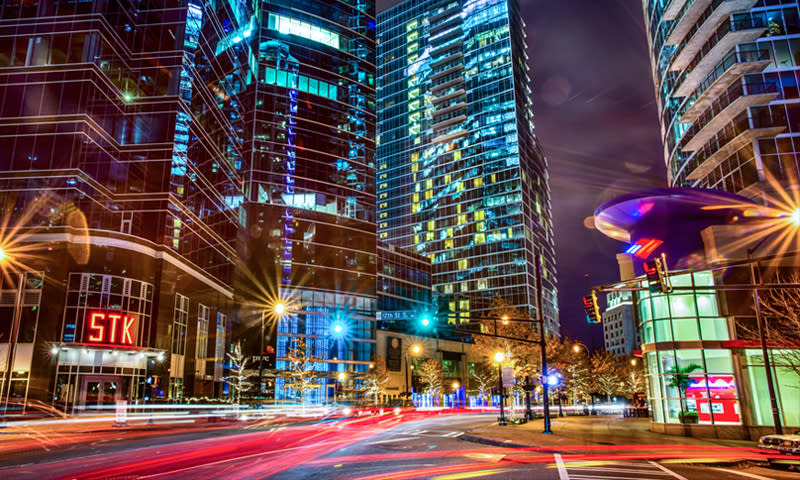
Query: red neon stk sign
111	328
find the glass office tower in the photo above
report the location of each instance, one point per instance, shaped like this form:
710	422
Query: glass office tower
117	180
726	85
308	172
461	176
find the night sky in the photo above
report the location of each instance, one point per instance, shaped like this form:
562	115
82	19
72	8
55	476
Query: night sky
595	115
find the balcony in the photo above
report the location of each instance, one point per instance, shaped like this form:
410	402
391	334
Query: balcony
735	136
710	30
691	12
672	9
731	69
725	109
449	96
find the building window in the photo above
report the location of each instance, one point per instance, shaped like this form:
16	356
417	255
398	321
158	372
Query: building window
202	331
179	321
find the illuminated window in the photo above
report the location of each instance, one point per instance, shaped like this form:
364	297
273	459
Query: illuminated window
414	167
482	284
478	182
414	129
458	208
479	215
384	235
414	94
292	26
431	225
459	186
494	177
449	232
428	194
457	155
383	205
415	208
411	25
414	157
429	236
429	183
411	37
416	239
413	106
448	244
480	238
449	289
383	215
415	197
412	48
414	117
464	286
412	58
383	225
462	219
463	264
448	178
480	226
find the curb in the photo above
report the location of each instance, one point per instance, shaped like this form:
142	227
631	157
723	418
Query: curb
496	443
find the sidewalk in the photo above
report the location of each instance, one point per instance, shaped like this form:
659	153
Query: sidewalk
573	431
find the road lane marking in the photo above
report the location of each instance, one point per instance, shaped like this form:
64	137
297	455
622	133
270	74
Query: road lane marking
600	477
562	470
649	471
665	469
744	474
388	441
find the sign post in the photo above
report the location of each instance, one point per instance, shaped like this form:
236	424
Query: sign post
121	414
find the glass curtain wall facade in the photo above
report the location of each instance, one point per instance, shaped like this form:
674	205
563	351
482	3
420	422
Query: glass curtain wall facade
726	78
690	333
309	182
117	180
461	177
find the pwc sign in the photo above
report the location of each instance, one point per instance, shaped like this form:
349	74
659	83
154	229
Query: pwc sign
110	328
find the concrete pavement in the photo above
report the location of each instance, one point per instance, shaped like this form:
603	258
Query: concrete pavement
587	430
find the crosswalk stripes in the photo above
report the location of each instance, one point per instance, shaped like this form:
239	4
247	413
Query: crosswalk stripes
613	471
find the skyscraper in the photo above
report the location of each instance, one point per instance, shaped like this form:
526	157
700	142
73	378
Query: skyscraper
308	171
461	177
726	85
117	184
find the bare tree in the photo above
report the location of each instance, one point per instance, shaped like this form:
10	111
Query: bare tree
375	380
484	378
509	331
606	378
239	379
634	380
781	310
301	371
431	376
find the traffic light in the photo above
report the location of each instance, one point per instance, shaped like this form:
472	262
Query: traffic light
425	321
656	271
591	308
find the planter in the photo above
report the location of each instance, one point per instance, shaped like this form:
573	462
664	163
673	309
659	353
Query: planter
689	417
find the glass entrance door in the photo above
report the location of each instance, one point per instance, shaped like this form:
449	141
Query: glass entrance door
99	391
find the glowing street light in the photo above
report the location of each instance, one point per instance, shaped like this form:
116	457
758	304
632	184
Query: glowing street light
338	329
795	217
499	357
342	376
504	318
279	308
456	385
633	362
3	255
415	350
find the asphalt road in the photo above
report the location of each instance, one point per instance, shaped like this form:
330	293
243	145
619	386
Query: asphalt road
388	447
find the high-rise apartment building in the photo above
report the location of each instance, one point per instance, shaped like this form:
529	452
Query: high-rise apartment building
176	169
117	180
461	178
727	90
308	173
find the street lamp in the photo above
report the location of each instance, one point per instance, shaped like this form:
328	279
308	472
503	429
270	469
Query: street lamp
499	357
415	350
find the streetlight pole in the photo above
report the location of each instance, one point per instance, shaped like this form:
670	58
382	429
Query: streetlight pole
542	341
773	400
415	350
499	357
